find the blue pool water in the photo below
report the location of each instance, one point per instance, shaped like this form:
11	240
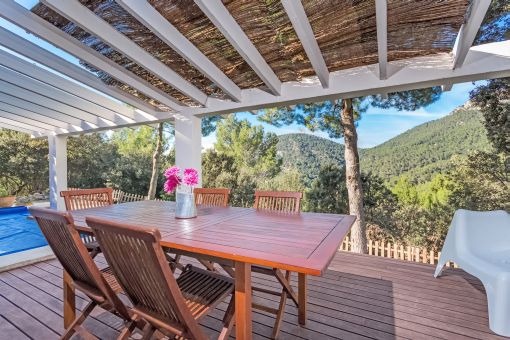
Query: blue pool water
18	232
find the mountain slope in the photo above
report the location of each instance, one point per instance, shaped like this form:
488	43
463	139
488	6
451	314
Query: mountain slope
426	149
418	153
307	153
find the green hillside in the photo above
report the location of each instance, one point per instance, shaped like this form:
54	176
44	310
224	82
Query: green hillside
418	153
426	149
307	153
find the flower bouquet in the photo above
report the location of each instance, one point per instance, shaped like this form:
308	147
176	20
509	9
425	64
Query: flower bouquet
182	182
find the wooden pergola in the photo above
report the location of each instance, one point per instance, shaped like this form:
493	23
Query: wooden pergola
44	95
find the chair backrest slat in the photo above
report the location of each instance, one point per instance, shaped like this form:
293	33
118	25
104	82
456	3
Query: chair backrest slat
87	198
137	260
64	240
217	197
281	201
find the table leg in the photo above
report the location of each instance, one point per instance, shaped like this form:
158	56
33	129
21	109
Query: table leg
302	298
69	300
243	300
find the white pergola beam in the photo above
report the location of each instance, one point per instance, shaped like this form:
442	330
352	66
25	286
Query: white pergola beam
86	19
114	109
26	126
20	16
446	87
161	27
299	20
29	121
17	106
485	62
75	106
90	121
468	31
223	20
16	111
48	59
381	16
17	128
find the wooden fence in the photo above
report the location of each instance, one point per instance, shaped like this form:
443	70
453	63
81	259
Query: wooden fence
120	196
400	252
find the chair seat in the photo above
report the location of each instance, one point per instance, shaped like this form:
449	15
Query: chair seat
111	279
202	289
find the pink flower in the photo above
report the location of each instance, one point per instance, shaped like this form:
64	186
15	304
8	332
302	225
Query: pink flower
173	179
171	184
172	172
190	177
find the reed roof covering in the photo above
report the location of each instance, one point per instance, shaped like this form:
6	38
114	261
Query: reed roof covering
345	31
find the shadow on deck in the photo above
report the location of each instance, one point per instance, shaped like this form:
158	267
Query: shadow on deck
360	297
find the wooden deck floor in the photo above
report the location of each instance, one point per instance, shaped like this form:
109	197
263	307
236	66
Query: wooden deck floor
360	297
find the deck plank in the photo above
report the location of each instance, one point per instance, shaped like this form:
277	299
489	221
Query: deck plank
360	297
8	330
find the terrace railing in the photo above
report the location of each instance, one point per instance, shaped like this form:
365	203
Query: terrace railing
120	196
397	251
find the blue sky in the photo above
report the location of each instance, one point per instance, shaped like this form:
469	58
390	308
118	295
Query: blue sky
375	127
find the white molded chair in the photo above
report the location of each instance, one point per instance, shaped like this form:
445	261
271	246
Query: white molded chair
479	242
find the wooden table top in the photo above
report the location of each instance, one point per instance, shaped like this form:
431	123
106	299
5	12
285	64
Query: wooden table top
304	243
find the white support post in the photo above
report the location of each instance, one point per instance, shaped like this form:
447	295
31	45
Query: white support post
188	144
58	169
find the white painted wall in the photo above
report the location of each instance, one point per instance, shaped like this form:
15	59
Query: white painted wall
58	169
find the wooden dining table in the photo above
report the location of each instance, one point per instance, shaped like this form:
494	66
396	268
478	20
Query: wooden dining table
304	243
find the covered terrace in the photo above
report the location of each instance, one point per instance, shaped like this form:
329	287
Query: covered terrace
144	62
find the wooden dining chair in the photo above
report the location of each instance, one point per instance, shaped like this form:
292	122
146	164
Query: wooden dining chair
77	199
278	201
285	202
99	285
171	306
217	197
87	198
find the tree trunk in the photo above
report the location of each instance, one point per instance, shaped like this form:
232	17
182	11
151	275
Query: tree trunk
155	163
353	178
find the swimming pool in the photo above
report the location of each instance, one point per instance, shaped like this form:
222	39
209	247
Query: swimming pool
18	232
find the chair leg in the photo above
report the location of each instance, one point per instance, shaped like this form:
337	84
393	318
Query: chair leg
84	334
95	252
148	332
228	320
285	282
128	329
174	262
208	265
228	270
281	309
78	321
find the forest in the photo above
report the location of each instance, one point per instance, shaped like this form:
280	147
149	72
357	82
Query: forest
412	184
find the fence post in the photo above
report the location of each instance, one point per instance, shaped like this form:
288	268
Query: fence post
424	255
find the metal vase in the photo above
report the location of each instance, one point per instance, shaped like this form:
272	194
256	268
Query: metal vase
185	205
